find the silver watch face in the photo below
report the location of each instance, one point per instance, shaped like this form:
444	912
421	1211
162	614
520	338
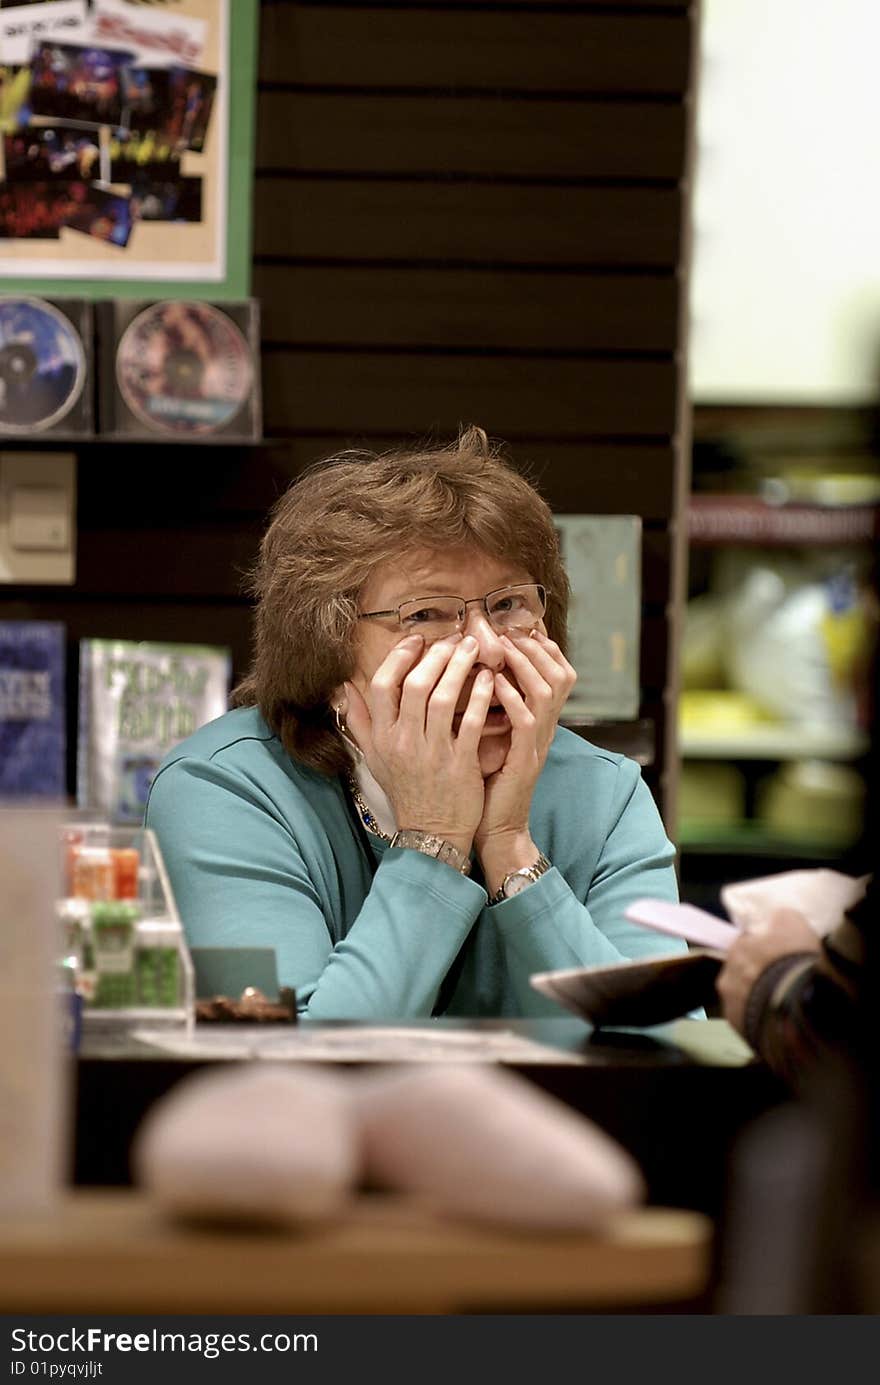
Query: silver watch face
515	884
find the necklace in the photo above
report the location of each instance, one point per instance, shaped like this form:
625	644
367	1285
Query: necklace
364	812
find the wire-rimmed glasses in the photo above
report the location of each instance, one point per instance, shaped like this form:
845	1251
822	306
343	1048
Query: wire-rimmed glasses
515	608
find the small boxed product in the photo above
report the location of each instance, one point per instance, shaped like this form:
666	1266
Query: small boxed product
122	945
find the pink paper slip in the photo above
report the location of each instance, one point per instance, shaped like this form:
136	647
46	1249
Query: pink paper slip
683	921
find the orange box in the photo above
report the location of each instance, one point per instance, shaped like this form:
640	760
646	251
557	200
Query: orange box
126	862
93	874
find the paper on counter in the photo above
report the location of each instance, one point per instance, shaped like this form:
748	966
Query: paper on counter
358	1044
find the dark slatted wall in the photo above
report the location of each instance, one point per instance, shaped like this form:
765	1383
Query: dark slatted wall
462	212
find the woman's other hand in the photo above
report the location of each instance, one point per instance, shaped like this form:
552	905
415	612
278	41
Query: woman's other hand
544	678
430	772
785	932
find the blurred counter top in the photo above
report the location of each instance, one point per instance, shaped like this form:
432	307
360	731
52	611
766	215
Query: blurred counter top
676	1095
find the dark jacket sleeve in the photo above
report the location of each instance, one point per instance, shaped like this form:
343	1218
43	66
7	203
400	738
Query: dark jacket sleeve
805	1006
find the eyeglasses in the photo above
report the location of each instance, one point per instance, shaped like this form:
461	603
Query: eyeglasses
436	617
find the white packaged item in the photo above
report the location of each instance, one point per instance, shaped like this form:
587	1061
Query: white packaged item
250	1144
483	1144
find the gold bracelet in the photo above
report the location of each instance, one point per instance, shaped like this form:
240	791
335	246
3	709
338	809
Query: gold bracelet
430	845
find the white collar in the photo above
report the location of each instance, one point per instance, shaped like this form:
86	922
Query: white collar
375	797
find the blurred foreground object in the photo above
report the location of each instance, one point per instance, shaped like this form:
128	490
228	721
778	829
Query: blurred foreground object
33	1096
487	1146
251	1145
279	1147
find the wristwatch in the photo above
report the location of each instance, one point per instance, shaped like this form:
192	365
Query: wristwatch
519	880
430	845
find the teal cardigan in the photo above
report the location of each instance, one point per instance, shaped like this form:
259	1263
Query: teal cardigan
262	852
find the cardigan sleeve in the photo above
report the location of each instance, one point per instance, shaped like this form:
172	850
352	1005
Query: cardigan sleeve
241	878
549	927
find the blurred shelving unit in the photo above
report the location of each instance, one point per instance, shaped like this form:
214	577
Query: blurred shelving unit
752	521
776	742
778	485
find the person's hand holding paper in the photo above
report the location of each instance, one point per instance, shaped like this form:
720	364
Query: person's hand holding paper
652	991
820	896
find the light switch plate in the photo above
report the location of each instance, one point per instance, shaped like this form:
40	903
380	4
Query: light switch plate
38	518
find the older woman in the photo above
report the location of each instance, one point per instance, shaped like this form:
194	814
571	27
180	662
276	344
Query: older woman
392	805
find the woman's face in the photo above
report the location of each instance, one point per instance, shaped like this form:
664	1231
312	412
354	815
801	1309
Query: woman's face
466	573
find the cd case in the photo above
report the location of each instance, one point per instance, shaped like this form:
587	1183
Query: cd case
47	378
180	370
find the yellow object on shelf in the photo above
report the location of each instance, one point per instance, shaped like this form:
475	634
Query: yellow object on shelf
811	800
710	795
720	710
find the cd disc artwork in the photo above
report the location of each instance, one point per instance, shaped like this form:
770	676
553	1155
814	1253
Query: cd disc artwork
42	365
183	367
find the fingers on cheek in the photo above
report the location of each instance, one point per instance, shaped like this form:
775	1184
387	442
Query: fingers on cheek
428	671
537	681
556	654
395	667
484	686
543	640
560	671
390	679
481	694
512	703
538	659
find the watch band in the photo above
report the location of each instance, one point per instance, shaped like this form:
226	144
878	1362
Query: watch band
430	845
527	875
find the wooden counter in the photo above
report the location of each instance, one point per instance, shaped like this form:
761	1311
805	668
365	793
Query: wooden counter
110	1251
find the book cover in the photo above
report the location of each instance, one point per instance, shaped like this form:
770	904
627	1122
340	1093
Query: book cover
32	710
137	700
602	556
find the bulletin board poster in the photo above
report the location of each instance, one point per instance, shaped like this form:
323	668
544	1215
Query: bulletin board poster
119	172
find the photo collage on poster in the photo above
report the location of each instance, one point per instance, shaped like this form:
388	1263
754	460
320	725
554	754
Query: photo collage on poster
93	136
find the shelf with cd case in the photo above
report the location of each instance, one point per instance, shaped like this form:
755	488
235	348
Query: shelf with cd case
179	370
102	443
47	378
72	370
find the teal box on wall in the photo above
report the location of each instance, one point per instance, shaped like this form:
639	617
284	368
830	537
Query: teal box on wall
602	556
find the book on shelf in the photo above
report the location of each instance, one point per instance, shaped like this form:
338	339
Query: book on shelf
748	519
137	700
602	557
33	738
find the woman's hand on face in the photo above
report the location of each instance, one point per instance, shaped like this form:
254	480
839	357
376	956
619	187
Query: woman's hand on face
545	678
430	774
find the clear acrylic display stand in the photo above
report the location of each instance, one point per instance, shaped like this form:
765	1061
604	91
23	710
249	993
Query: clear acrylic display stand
123	948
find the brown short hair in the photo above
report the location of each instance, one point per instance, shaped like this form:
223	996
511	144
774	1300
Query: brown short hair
329	532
